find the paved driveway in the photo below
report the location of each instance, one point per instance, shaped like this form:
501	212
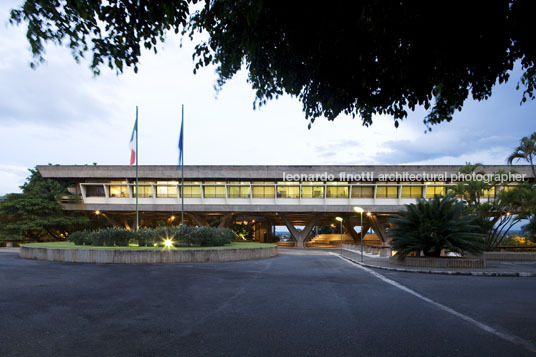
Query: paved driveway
295	304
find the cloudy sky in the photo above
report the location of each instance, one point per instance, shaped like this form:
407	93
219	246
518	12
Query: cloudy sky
61	114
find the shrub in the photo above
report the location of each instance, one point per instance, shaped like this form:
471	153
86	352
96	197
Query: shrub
227	235
144	237
203	236
107	236
78	238
112	237
97	239
207	236
432	225
81	237
161	233
122	237
182	236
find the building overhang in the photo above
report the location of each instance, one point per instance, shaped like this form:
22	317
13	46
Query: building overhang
253	172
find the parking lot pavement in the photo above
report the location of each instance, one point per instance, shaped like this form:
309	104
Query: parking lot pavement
309	304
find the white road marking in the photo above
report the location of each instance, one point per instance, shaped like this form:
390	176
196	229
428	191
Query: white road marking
508	337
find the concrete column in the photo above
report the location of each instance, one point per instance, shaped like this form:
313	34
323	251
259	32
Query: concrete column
226	220
199	220
378	227
125	222
299	236
364	229
350	229
113	222
269	231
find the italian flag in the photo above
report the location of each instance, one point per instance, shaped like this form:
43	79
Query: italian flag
133	143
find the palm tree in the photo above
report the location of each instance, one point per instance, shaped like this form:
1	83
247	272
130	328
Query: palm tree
471	191
526	150
432	225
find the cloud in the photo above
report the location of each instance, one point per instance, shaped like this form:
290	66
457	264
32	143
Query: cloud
12	177
58	92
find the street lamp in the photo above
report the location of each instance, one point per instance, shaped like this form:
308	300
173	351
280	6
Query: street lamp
360	211
340	220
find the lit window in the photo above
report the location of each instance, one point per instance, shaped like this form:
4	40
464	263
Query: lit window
192	189
145	189
312	189
435	189
166	189
359	191
390	190
263	189
287	190
214	189
337	190
411	190
119	189
238	189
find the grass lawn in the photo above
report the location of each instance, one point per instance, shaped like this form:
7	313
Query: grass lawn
135	247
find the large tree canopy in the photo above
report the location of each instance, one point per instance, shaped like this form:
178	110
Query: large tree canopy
35	214
360	58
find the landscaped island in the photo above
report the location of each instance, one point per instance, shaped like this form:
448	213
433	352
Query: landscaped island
70	245
180	244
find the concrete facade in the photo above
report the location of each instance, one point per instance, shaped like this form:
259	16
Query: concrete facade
260	172
320	194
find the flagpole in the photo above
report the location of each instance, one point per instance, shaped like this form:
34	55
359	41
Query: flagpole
137	191
182	166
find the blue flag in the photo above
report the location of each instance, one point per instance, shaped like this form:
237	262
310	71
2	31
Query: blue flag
181	142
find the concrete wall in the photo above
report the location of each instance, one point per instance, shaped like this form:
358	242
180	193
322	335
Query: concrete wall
514	256
425	262
113	256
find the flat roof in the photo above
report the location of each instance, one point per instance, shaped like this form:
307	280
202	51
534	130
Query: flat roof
256	172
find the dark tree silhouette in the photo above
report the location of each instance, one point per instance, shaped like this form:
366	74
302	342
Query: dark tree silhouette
355	57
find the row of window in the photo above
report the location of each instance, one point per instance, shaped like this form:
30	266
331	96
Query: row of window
193	190
170	189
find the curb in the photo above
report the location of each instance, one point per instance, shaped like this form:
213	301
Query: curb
160	256
520	274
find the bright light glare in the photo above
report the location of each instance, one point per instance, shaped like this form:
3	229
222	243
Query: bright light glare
338	219
168	243
359	209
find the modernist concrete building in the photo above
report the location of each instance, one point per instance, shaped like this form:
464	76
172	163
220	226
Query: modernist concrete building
263	196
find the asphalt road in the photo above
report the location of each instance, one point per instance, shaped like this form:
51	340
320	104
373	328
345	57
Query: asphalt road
296	304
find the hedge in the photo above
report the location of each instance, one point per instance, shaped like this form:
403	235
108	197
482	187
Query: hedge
182	236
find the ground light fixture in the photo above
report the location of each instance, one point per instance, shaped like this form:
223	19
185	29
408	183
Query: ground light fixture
168	243
340	220
360	211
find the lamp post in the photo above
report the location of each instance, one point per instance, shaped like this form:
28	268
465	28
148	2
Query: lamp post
360	211
340	220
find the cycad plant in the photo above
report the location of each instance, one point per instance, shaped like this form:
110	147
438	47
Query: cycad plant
435	224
